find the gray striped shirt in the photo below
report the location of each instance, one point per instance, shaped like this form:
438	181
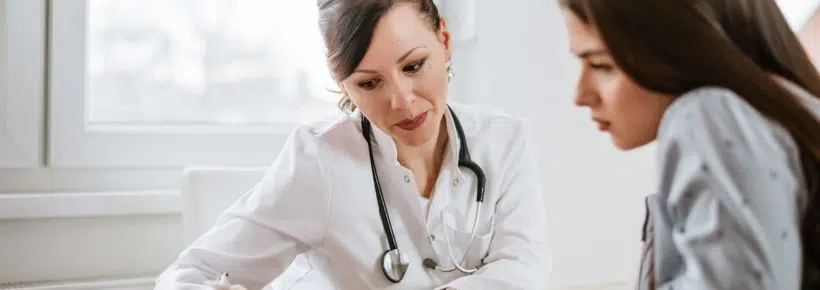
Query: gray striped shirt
730	197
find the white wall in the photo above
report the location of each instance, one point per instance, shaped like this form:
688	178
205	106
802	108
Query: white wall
798	12
810	36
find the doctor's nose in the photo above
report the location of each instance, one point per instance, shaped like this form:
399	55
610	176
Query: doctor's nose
402	96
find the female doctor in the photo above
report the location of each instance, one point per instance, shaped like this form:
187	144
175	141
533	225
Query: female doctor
404	192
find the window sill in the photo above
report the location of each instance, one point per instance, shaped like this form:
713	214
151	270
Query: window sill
92	204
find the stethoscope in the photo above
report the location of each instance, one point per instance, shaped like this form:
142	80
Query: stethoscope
394	263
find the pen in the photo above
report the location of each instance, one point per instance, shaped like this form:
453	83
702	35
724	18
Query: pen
223	281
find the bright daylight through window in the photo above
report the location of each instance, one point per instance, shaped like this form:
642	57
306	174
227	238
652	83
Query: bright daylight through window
222	62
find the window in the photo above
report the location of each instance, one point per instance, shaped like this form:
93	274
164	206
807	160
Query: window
158	83
192	61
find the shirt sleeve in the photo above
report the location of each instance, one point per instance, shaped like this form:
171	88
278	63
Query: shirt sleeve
731	183
256	238
519	256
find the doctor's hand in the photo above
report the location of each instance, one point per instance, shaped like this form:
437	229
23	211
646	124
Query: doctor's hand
225	284
218	286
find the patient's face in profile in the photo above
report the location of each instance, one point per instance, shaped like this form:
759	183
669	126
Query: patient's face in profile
401	83
630	113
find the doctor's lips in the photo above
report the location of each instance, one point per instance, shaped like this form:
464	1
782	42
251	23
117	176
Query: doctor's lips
603	126
413	124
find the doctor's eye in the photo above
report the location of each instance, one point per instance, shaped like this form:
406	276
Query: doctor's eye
368	84
414	67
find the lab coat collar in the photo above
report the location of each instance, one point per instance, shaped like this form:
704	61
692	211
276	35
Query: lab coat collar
454	144
383	142
387	146
449	168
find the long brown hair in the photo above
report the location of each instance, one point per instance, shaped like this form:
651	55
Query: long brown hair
673	47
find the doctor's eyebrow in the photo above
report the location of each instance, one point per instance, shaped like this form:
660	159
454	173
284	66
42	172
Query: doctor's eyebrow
399	61
403	57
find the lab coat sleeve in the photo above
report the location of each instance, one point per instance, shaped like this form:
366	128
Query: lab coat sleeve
519	255
729	197
258	236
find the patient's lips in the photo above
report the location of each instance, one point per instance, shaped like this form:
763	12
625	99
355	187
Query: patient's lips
603	125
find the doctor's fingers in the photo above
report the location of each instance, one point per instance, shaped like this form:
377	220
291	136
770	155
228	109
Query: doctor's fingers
224	287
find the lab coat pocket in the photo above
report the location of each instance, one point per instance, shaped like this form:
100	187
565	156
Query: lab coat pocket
476	247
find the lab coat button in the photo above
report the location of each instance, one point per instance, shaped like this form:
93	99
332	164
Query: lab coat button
433	238
407	179
455	182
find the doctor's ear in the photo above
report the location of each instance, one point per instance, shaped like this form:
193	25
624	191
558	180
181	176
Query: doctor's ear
345	102
445	37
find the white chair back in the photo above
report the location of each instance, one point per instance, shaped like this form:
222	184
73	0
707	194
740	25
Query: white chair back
209	191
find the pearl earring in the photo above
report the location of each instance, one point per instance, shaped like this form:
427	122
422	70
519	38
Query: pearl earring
450	73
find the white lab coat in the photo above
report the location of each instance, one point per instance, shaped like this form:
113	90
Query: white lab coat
317	202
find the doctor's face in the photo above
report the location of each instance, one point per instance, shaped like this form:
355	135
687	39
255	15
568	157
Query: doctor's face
401	83
619	106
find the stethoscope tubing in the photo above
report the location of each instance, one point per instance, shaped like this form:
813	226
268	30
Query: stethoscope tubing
464	161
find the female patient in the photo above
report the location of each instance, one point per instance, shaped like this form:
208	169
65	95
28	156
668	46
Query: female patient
320	197
731	97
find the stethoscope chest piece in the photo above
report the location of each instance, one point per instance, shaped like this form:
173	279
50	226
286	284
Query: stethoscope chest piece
394	265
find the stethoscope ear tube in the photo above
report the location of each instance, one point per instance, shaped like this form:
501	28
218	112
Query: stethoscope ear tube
479	174
388	228
464	159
